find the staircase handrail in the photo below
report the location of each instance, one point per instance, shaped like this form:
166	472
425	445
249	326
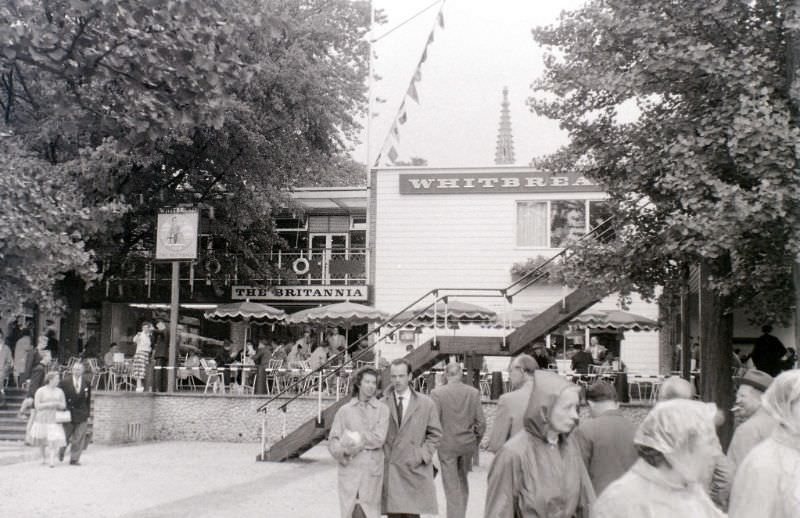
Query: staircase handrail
333	366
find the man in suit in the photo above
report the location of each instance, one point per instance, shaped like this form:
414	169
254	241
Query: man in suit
413	437
463	425
78	393
511	406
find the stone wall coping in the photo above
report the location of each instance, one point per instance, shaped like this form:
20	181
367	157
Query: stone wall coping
200	395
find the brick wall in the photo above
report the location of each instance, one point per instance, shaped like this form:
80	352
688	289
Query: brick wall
121	417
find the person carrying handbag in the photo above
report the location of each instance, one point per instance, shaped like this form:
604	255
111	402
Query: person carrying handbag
46	432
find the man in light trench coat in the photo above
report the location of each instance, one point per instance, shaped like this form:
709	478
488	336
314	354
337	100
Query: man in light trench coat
413	437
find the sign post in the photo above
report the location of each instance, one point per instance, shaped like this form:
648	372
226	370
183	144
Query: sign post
176	240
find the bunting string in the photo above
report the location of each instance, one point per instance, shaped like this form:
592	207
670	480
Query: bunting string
389	147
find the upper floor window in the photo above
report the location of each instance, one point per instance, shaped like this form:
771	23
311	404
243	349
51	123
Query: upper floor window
550	224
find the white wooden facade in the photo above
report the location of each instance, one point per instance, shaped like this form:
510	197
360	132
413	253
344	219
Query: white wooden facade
469	240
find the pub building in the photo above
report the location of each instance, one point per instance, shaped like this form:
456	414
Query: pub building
323	259
472	228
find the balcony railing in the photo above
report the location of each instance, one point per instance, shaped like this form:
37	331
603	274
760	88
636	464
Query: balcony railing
213	273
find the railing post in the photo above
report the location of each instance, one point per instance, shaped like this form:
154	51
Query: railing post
319	401
435	342
283	425
264	436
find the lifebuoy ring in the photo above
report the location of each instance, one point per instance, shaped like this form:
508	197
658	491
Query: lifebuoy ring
301	266
212	265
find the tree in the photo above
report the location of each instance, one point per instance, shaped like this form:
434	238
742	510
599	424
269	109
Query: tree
160	103
704	173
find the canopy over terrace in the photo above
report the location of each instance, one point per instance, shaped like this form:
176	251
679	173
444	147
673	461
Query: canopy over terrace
342	314
455	311
612	320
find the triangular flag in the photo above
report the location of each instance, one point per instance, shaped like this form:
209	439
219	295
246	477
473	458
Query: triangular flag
430	38
412	92
441	19
392	154
418	74
403	118
395	131
424	56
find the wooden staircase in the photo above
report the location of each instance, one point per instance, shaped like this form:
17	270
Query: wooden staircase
430	353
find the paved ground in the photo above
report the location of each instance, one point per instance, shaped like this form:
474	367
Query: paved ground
186	479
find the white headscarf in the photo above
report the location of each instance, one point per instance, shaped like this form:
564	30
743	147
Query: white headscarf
676	428
779	399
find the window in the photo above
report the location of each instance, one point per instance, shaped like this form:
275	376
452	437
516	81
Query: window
358	222
283	224
567	221
532	223
551	224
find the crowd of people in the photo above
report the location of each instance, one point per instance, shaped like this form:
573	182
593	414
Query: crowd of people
549	464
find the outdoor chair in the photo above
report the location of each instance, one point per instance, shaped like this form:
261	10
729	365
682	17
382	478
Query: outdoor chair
274	377
215	380
97	372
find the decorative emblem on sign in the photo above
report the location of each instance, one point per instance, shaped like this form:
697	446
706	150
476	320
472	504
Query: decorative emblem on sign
176	236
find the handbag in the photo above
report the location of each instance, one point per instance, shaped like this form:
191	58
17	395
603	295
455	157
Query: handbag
63	416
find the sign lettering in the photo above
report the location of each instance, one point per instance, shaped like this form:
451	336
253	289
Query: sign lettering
495	183
310	292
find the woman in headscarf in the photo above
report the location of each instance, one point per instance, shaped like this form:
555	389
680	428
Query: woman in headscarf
539	472
767	483
677	446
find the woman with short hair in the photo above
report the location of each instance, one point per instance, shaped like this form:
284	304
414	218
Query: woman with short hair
356	442
45	431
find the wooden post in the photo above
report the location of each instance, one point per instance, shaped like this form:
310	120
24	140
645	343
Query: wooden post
686	351
173	326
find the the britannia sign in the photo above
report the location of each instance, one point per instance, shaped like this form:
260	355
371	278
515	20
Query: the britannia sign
308	292
176	238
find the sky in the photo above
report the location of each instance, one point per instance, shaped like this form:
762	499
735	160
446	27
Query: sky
484	46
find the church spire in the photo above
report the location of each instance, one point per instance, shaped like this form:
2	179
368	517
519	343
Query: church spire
504	154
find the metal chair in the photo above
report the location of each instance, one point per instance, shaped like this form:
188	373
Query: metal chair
214	377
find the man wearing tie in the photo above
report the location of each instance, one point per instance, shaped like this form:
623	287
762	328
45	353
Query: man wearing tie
78	393
413	437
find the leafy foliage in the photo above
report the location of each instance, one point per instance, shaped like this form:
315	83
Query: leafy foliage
706	167
43	227
222	104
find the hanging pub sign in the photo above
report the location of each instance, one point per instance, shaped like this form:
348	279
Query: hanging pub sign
495	183
176	235
305	292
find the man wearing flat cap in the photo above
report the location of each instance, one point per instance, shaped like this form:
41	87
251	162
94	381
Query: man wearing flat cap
759	424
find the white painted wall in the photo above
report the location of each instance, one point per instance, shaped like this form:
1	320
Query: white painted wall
469	241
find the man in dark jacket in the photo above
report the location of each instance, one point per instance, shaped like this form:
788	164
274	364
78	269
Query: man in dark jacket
606	440
582	360
768	352
160	356
463	426
78	393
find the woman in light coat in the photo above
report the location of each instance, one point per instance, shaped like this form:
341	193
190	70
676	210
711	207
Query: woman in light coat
356	442
767	483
